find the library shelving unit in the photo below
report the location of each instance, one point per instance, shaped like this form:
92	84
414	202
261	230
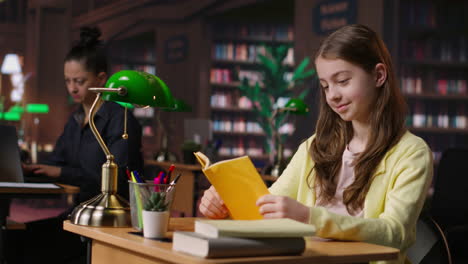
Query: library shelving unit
133	53
234	57
433	65
137	52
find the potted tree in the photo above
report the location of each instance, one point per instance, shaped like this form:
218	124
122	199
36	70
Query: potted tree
266	95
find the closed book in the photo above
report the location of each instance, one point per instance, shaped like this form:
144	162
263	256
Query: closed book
280	227
208	247
238	183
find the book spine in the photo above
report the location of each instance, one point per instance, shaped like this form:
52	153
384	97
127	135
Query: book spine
244	247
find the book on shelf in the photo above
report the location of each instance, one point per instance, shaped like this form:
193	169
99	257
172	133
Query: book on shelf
280	227
208	247
231	177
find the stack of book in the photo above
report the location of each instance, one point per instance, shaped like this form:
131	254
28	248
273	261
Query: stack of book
242	238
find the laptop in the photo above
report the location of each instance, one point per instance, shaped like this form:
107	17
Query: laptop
10	163
11	173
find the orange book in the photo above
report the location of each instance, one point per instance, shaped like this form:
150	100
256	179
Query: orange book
238	183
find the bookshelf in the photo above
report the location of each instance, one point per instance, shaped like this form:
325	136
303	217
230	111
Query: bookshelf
433	64
133	53
234	56
137	52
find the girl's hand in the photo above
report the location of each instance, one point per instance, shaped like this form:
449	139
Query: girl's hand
273	206
212	206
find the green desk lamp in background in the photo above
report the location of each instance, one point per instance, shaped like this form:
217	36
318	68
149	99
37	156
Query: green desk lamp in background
10	116
16	111
140	89
37	108
30	108
10	66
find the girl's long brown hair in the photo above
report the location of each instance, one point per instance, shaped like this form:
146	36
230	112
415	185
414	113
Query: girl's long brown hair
361	46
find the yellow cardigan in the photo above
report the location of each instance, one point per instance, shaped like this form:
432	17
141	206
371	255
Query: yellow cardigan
392	205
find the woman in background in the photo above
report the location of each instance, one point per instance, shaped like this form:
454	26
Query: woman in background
77	158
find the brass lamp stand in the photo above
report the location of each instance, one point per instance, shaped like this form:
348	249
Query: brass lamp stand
128	88
108	208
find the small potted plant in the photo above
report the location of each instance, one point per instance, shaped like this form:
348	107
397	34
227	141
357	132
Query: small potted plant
188	148
156	215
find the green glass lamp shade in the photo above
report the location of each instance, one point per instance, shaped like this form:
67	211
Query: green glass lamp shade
179	106
143	89
297	104
37	108
16	109
127	105
10	116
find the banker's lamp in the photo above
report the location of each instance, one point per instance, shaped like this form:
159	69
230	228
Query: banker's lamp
10	116
296	106
179	106
30	108
16	111
140	89
13	114
37	108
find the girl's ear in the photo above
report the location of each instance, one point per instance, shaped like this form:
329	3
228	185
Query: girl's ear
102	78
380	72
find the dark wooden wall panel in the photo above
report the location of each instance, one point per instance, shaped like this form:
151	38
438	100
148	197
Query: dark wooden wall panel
48	42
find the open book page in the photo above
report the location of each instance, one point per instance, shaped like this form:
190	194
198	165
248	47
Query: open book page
206	163
238	183
281	227
202	159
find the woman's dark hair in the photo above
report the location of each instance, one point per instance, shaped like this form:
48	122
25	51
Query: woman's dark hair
89	50
361	46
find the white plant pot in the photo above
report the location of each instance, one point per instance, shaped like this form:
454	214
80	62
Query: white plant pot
155	224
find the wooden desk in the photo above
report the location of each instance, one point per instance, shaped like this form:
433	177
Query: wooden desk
15	191
186	186
116	245
7	193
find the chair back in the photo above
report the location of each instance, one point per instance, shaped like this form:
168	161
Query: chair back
431	246
449	205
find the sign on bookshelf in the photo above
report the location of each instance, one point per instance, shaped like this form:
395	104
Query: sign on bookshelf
330	15
176	49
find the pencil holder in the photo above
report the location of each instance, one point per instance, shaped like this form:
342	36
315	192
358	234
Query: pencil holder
151	197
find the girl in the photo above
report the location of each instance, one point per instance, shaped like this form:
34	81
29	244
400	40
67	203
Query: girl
362	176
